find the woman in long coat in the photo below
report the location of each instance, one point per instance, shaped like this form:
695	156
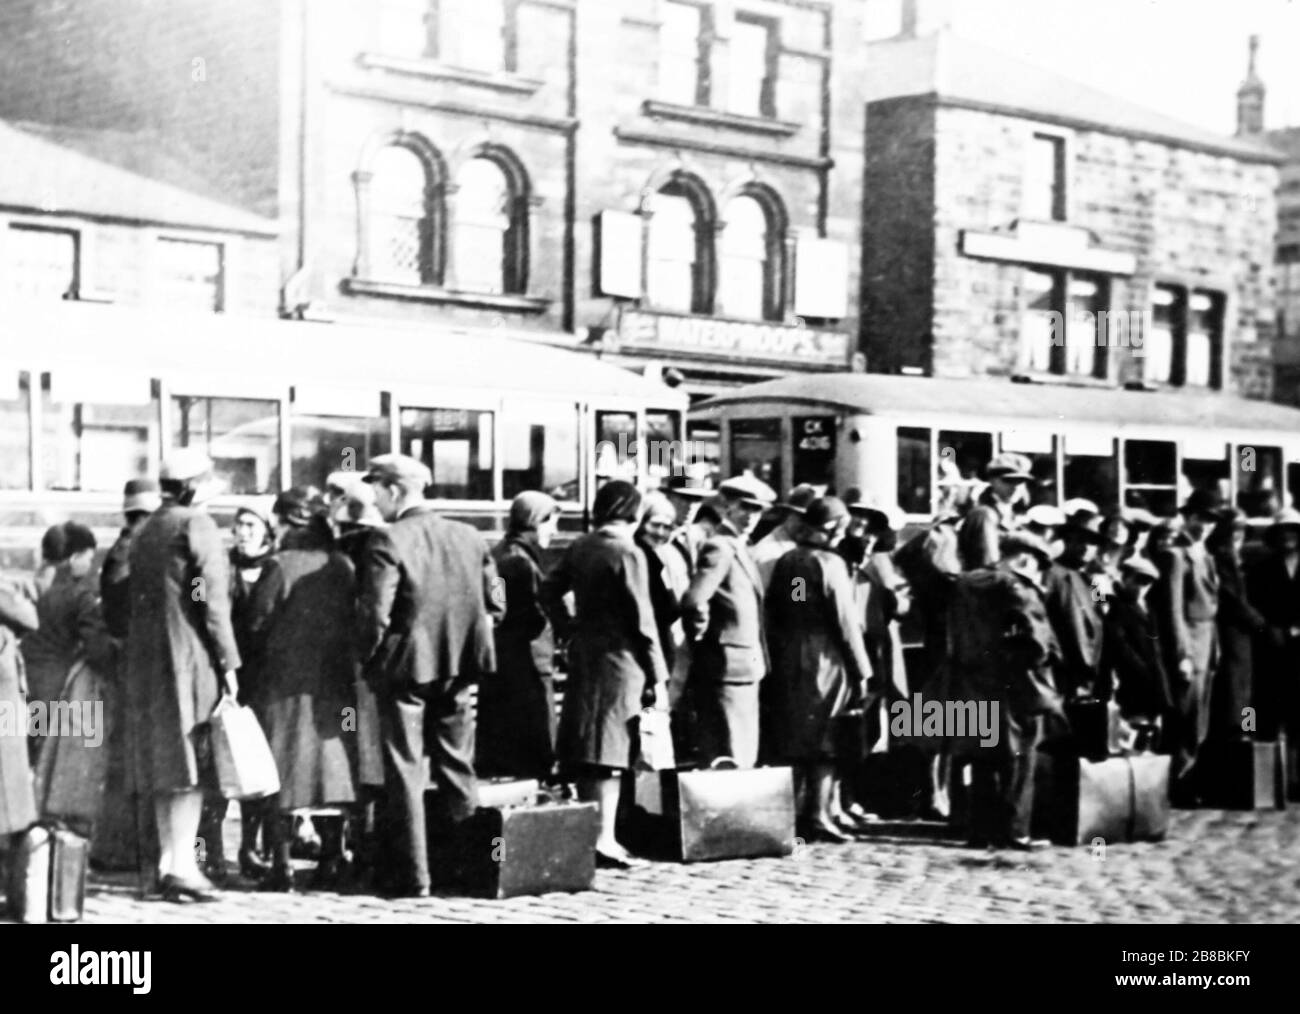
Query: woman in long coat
819	659
180	650
17	803
1239	623
615	657
301	617
516	705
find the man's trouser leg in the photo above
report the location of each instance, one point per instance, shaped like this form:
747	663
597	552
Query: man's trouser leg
449	735
402	723
982	797
1022	736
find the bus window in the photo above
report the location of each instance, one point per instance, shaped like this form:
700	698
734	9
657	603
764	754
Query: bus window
456	444
1089	470
1151	476
1205	466
914	470
1041	450
540	449
15	431
1259	480
616	448
664	444
756	449
241	435
962	460
814	450
322	444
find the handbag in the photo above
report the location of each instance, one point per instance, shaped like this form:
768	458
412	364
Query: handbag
243	759
655	741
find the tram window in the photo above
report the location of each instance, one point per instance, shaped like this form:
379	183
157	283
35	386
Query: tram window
668	455
1041	450
914	469
1151	476
456	444
322	444
241	435
1259	480
1088	473
756	449
1205	466
616	446
15	432
539	449
704	461
95	447
962	459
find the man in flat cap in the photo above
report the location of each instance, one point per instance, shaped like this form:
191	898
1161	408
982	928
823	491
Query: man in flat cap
1132	671
429	596
1075	611
995	514
723	616
1001	653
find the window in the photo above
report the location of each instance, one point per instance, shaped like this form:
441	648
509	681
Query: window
1043	325
1045	179
1089	469
914	475
41	263
749	262
1204	343
616	448
1158	349
1185	346
15	430
95	445
960	468
539	449
456	444
476	34
402	28
679	251
704	467
1041	449
667	454
321	444
490	229
756	449
1204	466
684	54
1151	476
241	435
1064	323
191	275
402	232
1259	480
1088	300
754	53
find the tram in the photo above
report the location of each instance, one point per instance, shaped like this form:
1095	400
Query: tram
921	444
92	395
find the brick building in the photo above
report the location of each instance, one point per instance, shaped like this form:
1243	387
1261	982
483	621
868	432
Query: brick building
1006	208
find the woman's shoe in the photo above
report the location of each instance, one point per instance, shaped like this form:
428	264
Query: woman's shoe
184	890
618	861
819	831
252	865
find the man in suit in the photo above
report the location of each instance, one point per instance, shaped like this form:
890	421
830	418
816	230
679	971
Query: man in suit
1075	612
1187	605
723	615
995	514
429	596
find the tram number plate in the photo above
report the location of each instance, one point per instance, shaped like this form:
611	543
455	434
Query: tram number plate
814	448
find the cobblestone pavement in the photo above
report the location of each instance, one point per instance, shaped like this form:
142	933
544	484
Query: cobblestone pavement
1216	866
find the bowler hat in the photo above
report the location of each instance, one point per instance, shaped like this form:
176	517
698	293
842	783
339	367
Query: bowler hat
825	512
798	499
140	496
1010	466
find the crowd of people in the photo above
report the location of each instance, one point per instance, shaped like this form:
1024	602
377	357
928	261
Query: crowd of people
383	647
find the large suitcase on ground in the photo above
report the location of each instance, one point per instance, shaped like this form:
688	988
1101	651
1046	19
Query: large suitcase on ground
69	854
71	770
505	852
1121	799
28	890
1244	775
716	813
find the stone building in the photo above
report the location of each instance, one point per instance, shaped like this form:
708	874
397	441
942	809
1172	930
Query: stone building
1017	224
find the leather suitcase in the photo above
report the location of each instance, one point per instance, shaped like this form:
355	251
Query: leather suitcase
69	854
1121	799
1245	775
729	813
28	891
506	852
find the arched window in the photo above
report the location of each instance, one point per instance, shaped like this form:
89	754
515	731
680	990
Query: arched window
679	250
749	261
491	227
403	233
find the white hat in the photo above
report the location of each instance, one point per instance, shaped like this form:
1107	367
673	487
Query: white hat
1079	505
749	489
1044	515
185	463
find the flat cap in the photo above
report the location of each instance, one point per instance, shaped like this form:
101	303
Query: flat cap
398	468
749	489
140	495
185	463
1008	465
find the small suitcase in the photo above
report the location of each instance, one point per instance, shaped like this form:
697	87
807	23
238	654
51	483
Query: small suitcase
506	852
29	876
1245	775
723	813
1121	799
68	858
